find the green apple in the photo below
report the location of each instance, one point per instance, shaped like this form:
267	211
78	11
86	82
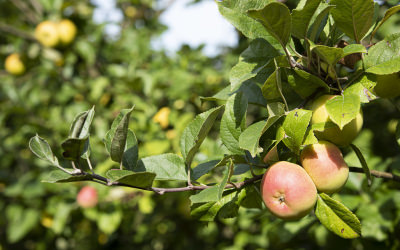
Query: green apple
47	33
66	31
325	165
388	86
14	65
288	191
332	132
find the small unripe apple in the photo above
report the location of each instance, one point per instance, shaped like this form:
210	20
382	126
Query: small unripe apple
333	133
288	191
388	86
87	197
325	165
66	31
47	33
14	64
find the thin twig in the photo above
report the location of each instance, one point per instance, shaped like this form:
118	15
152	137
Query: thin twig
376	173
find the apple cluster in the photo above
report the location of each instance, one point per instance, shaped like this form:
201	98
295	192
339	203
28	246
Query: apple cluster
47	33
289	190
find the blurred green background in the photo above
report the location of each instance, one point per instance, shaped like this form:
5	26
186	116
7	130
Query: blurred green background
115	72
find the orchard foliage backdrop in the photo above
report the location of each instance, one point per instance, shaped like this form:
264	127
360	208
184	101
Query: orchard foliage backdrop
180	142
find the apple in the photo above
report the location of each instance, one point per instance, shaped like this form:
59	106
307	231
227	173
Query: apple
161	117
47	33
14	64
87	197
332	132
66	31
388	86
325	165
288	191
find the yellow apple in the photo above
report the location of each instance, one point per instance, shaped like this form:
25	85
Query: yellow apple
325	165
332	132
14	65
47	33
388	86
66	31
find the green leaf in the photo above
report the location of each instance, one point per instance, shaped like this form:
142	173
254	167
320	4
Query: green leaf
353	17
270	88
362	88
108	222
295	127
383	58
337	218
275	17
58	176
205	167
343	109
233	122
80	127
275	108
119	136
165	166
62	214
310	137
398	133
42	149
330	55
354	48
252	61
249	88
74	148
20	222
363	162
227	174
320	21
235	12
142	179
301	17
207	195
252	197
249	139
195	133
390	12
304	83
131	152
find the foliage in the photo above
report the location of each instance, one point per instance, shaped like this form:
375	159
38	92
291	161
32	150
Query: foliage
263	116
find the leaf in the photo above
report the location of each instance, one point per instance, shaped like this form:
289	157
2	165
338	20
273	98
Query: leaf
301	17
195	133
58	176
206	195
270	89
131	152
362	88
398	133
354	48
249	88
165	166
252	61
80	127
119	135
108	222
141	180
275	109
330	55
275	17
227	174
319	22
233	122
310	137
249	139
235	12
353	17
205	167
343	109
383	58
304	83
337	218
42	149
295	127
74	148
363	162
390	12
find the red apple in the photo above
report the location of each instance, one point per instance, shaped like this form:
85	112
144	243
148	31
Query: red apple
288	191
87	197
325	165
